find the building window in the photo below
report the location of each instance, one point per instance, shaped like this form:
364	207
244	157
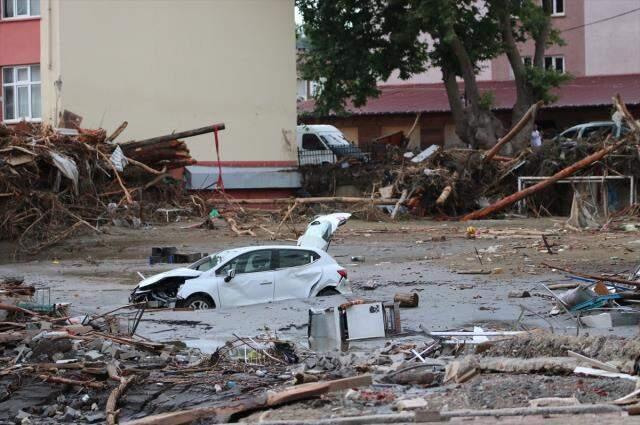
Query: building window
20	8
527	60
558	8
21	93
554	62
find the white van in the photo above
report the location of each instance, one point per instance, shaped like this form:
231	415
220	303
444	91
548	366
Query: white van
324	144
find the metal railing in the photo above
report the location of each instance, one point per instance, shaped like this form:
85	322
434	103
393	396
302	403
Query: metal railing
332	156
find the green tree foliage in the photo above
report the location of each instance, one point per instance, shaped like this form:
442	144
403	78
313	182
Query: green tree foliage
357	43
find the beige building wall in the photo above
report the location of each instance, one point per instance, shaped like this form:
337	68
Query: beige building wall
168	65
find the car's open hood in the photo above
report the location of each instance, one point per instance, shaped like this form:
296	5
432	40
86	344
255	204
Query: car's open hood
181	272
321	229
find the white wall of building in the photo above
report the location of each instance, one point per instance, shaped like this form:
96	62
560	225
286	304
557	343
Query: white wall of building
168	65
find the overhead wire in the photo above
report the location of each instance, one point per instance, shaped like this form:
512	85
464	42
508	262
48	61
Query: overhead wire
628	12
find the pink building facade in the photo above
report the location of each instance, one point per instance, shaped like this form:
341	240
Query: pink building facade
20	60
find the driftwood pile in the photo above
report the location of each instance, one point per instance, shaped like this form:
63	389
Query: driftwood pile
472	184
54	182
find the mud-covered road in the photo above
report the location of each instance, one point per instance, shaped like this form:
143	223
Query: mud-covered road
96	273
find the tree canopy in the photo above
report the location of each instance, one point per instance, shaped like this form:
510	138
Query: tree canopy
355	44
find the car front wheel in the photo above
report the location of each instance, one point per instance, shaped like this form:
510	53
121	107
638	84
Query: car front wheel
199	302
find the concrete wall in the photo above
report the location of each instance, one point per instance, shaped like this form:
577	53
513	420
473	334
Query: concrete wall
175	65
612	46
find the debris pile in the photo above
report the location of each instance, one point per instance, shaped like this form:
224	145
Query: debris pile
454	182
92	368
54	182
598	301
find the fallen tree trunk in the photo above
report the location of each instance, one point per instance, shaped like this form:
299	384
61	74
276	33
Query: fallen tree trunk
406	299
173	136
317	200
531	113
570	170
528	411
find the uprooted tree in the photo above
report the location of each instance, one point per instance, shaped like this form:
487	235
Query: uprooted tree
355	44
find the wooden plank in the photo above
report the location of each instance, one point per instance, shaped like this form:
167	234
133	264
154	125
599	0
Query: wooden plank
598	364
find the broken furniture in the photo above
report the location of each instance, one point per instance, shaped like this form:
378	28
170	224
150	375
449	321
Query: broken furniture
333	328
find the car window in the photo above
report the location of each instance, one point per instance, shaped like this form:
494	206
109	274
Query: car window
296	257
596	130
251	262
569	134
312	143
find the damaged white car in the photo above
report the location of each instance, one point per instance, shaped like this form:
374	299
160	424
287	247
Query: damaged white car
252	275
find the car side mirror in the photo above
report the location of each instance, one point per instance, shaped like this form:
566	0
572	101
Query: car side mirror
231	273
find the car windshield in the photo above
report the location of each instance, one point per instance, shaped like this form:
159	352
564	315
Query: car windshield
208	262
335	139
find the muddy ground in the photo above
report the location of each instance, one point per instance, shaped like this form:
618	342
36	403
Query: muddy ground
96	273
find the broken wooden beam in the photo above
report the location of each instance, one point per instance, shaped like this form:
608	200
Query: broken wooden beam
112	401
592	276
313	200
531	113
566	172
173	136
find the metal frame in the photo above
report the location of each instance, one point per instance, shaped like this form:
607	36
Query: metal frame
522	180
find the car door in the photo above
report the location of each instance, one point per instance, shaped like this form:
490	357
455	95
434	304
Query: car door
298	271
253	282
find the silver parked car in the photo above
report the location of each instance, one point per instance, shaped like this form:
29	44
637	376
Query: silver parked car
584	131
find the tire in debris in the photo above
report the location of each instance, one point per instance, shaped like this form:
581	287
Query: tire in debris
199	302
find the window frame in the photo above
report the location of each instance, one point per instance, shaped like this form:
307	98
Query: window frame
15	84
554	59
554	8
318	139
219	272
16	17
314	255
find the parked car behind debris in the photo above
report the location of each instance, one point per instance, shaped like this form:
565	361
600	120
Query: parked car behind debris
253	275
586	130
325	144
